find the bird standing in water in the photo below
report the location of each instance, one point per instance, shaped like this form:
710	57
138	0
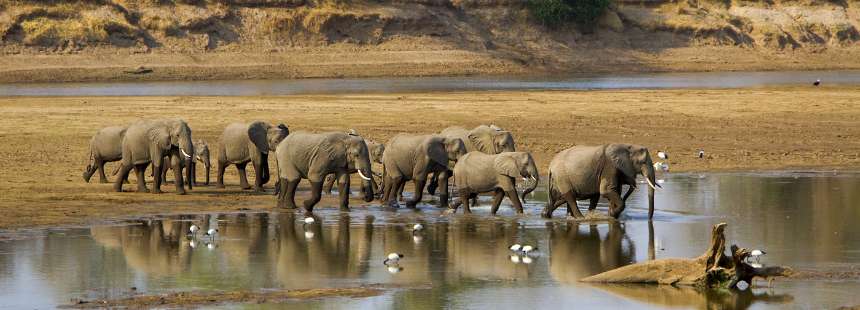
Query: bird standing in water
417	228
392	259
193	229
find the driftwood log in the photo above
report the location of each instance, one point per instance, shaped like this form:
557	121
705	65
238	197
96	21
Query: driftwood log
711	270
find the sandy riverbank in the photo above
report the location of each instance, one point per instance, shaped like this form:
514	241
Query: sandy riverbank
43	141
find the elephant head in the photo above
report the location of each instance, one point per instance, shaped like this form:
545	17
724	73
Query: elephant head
630	161
358	158
492	139
455	148
376	151
265	138
180	137
518	165
202	155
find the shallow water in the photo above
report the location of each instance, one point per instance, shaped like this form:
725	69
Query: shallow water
388	85
804	220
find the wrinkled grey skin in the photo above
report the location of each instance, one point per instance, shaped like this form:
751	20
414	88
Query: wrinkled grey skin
487	139
477	172
242	143
201	148
105	147
312	156
415	157
376	150
589	172
149	141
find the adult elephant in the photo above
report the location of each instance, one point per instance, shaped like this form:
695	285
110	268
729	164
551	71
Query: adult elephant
105	147
589	172
313	156
483	138
480	173
201	149
149	141
415	157
249	142
376	150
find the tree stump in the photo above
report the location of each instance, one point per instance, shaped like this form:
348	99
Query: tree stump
713	269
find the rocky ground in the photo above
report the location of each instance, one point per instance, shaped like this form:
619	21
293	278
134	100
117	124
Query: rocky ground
238	39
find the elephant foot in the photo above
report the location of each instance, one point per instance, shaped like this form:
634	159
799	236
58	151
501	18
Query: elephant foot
103	181
545	214
182	192
221	186
259	189
245	186
155	190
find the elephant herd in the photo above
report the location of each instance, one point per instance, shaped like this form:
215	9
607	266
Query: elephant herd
480	160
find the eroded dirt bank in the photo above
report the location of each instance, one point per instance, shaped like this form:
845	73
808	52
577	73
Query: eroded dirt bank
43	141
239	39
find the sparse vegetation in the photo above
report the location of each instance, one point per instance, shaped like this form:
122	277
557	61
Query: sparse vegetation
553	13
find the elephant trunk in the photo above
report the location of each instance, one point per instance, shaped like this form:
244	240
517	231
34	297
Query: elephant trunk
186	148
650	177
535	179
208	168
366	174
264	167
189	172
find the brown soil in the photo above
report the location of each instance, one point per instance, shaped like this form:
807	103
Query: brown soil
50	41
198	299
43	141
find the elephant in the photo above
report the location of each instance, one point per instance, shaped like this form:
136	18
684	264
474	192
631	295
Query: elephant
201	149
105	146
249	142
149	141
477	172
376	150
313	156
588	172
415	157
488	139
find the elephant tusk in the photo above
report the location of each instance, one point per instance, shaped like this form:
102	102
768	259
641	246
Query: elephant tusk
184	154
362	175
652	184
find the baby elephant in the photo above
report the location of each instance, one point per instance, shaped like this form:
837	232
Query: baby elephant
478	172
201	154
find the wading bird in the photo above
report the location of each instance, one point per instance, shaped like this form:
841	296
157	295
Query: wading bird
662	155
516	247
757	254
193	229
309	220
417	227
392	258
528	249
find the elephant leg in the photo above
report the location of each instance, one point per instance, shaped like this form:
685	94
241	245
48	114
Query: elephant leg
418	193
443	188
219	181
163	173
156	180
592	203
243	177
329	183
400	187
287	193
465	194
177	175
121	176
140	171
571	204
343	191
616	204
101	170
258	177
396	184
515	200
434	183
497	200
316	195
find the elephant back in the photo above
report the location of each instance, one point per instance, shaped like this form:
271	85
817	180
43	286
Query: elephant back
236	143
107	143
476	170
578	169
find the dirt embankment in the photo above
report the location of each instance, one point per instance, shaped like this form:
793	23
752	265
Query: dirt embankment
44	141
220	39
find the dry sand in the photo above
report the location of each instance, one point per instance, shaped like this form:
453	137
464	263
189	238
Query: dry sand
43	141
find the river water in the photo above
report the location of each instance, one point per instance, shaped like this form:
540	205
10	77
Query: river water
415	84
804	220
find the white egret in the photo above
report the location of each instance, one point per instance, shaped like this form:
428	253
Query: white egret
392	258
662	155
309	220
516	247
757	254
417	227
211	233
193	229
527	249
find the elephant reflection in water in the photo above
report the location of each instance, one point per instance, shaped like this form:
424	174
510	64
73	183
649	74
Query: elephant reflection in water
480	249
579	251
154	247
308	256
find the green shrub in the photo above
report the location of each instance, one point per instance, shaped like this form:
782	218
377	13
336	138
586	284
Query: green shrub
553	13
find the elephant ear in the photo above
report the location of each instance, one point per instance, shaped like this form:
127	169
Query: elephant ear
506	164
437	152
482	140
619	155
257	132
